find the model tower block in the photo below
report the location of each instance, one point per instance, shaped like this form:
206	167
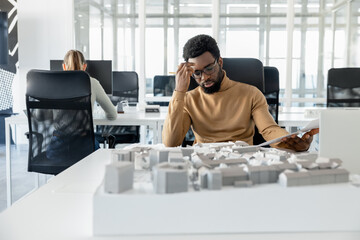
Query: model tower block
119	177
170	178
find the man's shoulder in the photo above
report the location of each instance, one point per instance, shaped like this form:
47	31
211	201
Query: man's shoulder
244	86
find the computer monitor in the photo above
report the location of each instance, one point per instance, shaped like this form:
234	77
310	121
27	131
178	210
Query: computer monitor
99	69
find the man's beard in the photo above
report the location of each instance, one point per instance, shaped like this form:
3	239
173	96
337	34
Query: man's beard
215	87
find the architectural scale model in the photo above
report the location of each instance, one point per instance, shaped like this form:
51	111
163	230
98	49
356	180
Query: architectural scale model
214	165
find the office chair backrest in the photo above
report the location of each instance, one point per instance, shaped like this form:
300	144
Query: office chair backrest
245	70
343	87
272	90
60	119
126	86
164	85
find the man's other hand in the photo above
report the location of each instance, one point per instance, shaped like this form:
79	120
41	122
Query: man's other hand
298	144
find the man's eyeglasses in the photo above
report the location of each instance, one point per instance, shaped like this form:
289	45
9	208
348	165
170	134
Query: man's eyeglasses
208	71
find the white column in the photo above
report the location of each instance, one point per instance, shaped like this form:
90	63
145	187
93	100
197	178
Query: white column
142	77
289	51
348	35
8	163
215	18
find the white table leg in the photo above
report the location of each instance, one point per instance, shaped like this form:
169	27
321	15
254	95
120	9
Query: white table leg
155	133
8	163
160	126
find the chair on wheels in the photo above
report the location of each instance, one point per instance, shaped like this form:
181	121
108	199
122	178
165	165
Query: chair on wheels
125	87
343	87
60	119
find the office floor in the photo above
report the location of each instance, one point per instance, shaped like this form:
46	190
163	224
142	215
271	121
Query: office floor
23	181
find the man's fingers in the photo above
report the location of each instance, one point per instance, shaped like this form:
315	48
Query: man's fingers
189	64
314	131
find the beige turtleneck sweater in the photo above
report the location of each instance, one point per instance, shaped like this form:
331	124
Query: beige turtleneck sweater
227	115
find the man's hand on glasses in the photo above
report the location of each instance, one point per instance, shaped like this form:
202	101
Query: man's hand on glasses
183	75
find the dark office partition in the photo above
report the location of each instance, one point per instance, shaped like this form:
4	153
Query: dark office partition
3	38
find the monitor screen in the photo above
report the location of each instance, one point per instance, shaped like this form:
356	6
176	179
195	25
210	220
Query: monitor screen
99	69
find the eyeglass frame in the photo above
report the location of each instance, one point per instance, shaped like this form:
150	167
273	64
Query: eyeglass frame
205	69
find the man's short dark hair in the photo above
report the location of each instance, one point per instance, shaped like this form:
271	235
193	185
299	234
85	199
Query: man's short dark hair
199	44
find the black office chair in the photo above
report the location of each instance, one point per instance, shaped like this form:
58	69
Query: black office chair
343	87
250	71
60	119
4	114
163	86
245	70
125	87
272	90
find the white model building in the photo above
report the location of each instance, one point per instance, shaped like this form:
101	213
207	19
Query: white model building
158	156
170	178
210	178
119	177
231	175
262	174
314	177
121	155
209	166
214	179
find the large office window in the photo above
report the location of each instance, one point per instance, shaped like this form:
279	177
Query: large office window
108	30
325	34
169	24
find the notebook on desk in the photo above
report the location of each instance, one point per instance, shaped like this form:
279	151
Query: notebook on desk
340	136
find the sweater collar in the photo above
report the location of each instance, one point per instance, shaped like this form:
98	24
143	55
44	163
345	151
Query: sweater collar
226	83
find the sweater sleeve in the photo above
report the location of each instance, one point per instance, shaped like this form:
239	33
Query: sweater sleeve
263	120
104	101
177	121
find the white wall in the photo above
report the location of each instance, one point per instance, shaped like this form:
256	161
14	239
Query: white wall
45	31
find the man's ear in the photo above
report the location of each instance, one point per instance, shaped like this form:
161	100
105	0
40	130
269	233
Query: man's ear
64	67
84	67
220	61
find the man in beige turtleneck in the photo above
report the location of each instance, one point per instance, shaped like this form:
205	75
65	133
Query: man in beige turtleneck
220	109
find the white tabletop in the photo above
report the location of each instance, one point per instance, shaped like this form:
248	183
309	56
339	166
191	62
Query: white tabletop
131	117
62	209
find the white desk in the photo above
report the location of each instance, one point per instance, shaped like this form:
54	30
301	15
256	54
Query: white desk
62	209
293	119
153	120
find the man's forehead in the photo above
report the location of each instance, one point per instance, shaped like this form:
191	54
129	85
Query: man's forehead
202	61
